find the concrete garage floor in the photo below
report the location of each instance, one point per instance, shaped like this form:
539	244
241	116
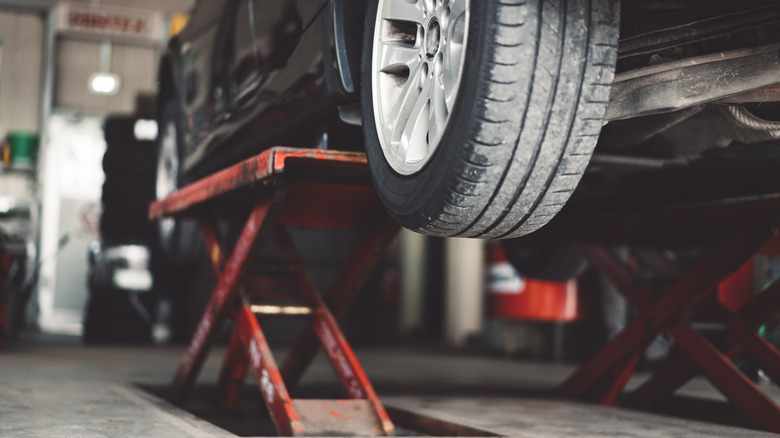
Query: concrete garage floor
58	387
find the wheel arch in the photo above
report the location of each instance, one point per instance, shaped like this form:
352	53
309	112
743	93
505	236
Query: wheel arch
348	17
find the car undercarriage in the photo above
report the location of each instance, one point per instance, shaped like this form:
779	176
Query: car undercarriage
695	106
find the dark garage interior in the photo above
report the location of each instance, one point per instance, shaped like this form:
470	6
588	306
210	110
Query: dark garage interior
533	218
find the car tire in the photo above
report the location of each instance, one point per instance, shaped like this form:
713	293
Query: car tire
131	160
119	129
122	192
179	240
125	226
128	187
528	106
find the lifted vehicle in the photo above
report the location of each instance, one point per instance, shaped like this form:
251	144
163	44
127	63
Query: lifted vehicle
479	118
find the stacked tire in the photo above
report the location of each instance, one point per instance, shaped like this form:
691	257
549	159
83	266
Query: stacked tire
129	166
114	314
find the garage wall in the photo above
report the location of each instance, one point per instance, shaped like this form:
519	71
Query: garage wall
21	72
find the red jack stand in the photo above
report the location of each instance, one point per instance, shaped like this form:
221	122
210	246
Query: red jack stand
287	187
742	229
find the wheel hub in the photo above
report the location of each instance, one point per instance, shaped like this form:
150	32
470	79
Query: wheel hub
432	39
416	70
167	172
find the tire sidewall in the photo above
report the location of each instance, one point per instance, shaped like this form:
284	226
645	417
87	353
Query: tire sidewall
406	197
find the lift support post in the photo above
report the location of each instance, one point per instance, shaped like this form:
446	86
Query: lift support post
286	187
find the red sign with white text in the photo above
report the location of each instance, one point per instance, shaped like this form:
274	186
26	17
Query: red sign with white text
110	22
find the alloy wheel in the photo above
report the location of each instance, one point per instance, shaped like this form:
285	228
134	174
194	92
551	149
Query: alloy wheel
416	68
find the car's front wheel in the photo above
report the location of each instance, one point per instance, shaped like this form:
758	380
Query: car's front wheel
179	240
480	116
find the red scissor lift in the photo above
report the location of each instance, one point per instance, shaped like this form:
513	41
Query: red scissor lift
286	187
329	189
734	230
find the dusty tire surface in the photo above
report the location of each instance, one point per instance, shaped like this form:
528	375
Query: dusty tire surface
536	82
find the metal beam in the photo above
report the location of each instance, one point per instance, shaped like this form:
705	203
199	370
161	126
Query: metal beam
688	82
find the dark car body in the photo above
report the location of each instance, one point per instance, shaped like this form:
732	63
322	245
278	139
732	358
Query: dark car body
692	79
250	73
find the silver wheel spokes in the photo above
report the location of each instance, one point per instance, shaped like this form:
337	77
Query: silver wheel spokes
167	172
417	68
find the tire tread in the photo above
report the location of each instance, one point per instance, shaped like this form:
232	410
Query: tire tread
529	125
531	190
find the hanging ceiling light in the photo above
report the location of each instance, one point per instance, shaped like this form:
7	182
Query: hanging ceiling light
104	83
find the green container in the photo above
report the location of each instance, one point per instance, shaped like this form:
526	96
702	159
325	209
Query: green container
24	146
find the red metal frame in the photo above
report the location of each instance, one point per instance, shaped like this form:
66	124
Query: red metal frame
216	309
275	395
605	376
681	369
340	296
335	345
261	169
283	200
235	365
661	312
